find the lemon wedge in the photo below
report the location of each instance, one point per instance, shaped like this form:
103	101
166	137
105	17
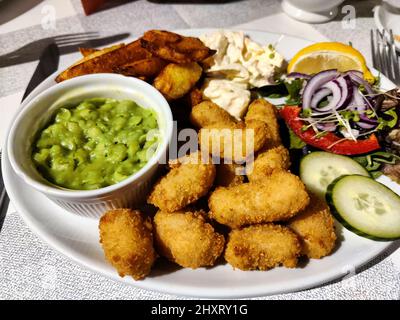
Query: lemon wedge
329	55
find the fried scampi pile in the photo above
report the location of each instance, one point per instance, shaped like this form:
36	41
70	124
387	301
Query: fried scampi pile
256	217
234	198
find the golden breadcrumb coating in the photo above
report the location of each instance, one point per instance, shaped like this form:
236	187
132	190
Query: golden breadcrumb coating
127	240
207	113
183	185
267	162
235	144
278	198
262	247
316	229
187	239
193	158
262	110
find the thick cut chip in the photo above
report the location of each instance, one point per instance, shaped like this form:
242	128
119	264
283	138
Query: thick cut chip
174	47
148	68
87	51
106	60
176	80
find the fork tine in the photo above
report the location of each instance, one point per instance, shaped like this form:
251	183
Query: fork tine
74	41
82	36
387	55
391	74
378	51
383	53
373	50
75	35
394	59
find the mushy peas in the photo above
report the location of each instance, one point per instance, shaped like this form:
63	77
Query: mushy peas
96	143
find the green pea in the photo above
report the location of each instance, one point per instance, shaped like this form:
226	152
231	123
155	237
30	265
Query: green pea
117	153
150	123
94	133
63	114
134	121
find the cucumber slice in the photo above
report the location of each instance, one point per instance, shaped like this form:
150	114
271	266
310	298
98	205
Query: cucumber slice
365	206
318	169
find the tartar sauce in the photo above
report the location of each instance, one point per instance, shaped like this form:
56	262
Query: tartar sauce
239	65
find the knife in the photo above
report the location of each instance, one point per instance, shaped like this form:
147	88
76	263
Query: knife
48	64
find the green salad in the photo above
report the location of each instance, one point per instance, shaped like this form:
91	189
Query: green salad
95	144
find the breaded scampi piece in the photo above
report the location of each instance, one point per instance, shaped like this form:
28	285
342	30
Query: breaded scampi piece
207	113
127	240
187	239
261	134
275	159
278	198
316	229
262	110
183	185
229	175
236	144
262	247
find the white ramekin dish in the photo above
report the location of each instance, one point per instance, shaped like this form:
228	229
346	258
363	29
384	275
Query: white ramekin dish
130	192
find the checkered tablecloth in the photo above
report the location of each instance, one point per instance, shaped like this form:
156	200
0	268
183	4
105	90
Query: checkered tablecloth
29	269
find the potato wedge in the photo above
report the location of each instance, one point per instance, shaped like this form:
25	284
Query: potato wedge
148	68
105	60
161	36
95	53
176	80
174	47
87	51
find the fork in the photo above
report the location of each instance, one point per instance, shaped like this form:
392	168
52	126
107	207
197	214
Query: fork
384	56
31	51
66	43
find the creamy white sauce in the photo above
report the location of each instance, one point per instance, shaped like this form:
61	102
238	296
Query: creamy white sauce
239	65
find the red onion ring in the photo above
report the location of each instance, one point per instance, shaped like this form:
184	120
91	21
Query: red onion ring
320	94
315	83
357	77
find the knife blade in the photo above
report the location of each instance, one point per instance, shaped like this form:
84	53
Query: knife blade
4	199
48	64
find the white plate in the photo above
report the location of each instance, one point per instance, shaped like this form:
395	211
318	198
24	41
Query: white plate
77	237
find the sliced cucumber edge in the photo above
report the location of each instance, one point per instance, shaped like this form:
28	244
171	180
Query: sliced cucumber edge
339	217
316	153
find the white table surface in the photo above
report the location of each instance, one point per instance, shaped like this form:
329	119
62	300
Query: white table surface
29	269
